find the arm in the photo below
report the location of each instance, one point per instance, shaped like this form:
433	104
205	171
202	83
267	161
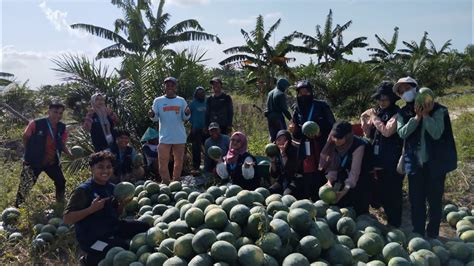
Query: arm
435	124
366	122
75	209
405	130
156	111
28	132
386	129
356	165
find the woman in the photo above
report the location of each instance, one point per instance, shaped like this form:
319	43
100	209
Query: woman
343	158
380	126
238	164
95	212
283	166
100	122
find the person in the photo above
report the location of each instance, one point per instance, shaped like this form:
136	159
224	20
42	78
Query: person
95	212
379	124
238	164
219	107
277	108
197	120
215	139
171	111
284	165
100	122
309	109
347	166
150	151
126	166
44	140
429	153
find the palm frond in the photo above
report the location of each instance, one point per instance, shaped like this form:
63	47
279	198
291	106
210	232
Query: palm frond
185	25
100	32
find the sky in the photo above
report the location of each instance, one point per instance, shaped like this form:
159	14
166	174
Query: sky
35	31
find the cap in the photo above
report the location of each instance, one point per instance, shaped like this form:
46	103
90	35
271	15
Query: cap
172	79
215	79
404	80
213	125
385	88
341	129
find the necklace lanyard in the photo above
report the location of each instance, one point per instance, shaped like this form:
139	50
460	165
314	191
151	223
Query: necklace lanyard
54	139
310	113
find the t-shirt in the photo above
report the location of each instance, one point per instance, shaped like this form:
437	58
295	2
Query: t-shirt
169	112
198	112
50	149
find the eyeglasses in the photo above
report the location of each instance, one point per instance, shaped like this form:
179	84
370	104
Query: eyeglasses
235	140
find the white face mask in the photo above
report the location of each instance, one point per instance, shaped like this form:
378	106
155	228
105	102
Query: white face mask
409	96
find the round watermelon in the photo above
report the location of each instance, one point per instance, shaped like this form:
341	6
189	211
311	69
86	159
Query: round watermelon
124	191
215	152
327	194
271	150
77	151
10	216
424	96
250	255
310	129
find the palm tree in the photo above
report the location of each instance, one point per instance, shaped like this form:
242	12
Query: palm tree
415	49
387	51
262	60
141	33
328	44
5	78
442	51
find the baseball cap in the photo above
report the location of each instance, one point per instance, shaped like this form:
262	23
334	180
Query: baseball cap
213	125
172	79
216	79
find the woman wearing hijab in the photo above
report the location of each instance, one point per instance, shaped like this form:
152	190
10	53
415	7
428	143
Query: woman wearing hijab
238	164
284	165
344	160
100	121
380	126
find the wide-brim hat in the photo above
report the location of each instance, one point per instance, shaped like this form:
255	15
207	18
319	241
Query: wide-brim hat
150	134
385	88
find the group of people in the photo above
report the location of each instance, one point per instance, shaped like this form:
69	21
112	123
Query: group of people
415	140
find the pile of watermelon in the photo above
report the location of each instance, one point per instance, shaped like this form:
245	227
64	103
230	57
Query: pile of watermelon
47	234
462	219
227	225
9	219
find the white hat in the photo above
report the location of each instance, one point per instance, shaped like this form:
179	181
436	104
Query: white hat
404	80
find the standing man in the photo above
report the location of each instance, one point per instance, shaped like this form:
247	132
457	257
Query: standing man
310	178
197	119
429	154
44	140
219	107
171	111
277	108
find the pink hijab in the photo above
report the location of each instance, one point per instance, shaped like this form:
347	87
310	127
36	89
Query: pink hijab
233	154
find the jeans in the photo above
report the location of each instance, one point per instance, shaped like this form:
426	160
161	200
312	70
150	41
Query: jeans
197	140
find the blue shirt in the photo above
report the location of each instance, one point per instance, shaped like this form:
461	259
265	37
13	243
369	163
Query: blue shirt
198	112
169	112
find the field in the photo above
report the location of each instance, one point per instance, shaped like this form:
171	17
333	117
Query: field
249	119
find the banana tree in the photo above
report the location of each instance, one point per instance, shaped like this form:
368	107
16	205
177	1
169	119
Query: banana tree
387	52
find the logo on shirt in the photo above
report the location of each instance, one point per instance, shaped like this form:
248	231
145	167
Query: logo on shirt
172	108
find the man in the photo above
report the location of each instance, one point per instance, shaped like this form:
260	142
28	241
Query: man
126	165
44	140
429	154
276	108
171	111
309	109
215	139
219	107
197	120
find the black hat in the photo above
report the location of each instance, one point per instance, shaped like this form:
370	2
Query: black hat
341	129
285	133
304	84
385	88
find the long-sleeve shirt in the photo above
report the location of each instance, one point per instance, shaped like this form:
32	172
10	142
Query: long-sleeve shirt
276	103
169	112
354	173
434	125
386	130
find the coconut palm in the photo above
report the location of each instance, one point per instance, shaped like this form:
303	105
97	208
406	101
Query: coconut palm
415	49
387	51
328	43
262	60
141	33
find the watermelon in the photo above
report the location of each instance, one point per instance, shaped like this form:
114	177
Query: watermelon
234	228
359	254
327	194
468	236
322	232
442	253
239	214
250	255
424	257
269	260
183	247
10	216
194	217
17	236
283	215
270	243
201	260
152	188
310	247
166	247
392	250
424	96
345	241
55	221
300	220
418	243
215	152
232	190
295	259
137	241
124	257
245	197
47	237
310	129
272	150
77	151
453	218
227	236
304	204
223	251
263	191
281	228
257	223
112	252
372	243
339	255
396	235
399	261
216	219
178	228
175	261
154	236
203	240
124	191
346	226
241	241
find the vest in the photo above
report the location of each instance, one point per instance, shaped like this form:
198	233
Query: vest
386	150
235	174
346	161
97	134
101	224
36	145
442	154
125	166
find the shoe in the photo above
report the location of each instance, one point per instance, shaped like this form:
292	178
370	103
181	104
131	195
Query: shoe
82	261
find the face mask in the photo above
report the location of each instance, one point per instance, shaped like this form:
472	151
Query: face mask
304	99
409	96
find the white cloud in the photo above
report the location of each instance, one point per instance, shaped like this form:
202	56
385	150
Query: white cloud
58	19
184	3
251	20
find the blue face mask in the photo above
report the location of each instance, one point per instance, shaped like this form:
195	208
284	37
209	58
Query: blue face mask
409	96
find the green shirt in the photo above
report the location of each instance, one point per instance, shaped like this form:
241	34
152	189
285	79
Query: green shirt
434	125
